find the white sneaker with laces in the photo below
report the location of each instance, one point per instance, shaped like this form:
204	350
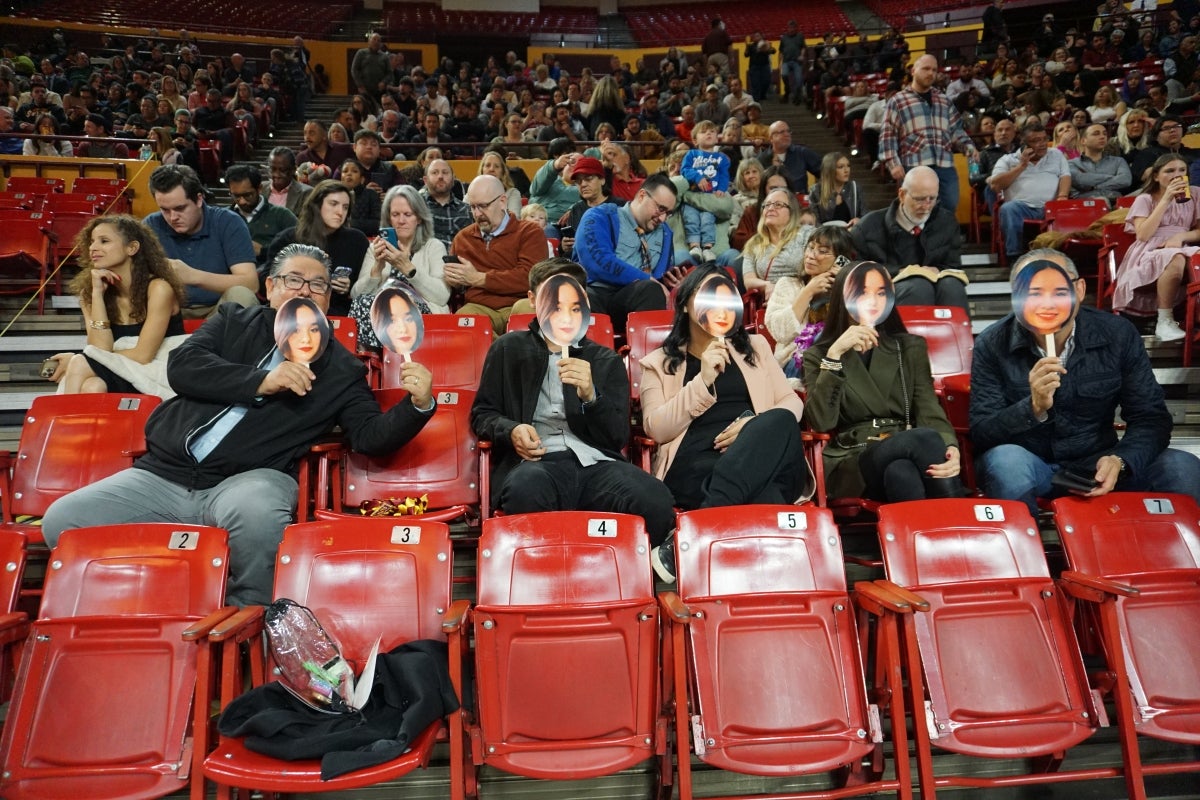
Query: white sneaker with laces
697	255
1168	330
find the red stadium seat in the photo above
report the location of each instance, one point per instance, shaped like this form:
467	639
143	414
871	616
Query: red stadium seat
600	331
453	350
28	183
1116	243
26	252
947	334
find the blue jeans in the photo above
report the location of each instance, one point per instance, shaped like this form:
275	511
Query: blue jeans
699	226
1010	472
1012	224
947	188
792	73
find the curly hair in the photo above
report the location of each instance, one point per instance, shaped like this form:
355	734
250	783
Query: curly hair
149	262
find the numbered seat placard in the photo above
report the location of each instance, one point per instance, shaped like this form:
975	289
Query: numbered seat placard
989	513
406	534
602	528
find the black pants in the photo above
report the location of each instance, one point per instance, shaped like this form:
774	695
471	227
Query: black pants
894	469
764	465
916	291
559	483
618	301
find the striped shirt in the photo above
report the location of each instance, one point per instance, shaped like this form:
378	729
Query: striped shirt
916	132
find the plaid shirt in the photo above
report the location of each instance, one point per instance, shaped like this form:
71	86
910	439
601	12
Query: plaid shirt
916	132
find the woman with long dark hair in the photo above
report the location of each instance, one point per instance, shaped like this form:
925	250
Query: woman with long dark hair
724	416
870	387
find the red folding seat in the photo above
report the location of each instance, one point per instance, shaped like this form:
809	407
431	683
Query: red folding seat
454	348
600	331
1135	560
26	252
947	334
29	183
565	657
762	599
993	666
365	580
102	704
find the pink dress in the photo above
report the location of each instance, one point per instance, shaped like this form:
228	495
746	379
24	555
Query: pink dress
1136	291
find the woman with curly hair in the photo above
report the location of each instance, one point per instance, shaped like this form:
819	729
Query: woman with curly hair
130	297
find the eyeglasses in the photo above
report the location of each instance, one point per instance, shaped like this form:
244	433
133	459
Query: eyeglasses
1171	128
661	210
765	206
479	208
294	282
923	200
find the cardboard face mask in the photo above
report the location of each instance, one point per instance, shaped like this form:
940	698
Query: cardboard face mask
301	330
563	312
397	322
869	294
1043	300
718	307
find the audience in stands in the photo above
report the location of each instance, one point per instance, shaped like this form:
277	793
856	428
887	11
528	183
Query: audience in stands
558	421
235	473
283	189
1034	414
1097	172
835	197
870	388
724	417
776	250
796	159
595	188
364	211
450	213
265	221
1029	179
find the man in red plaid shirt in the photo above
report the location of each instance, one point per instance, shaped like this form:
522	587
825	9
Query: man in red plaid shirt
921	128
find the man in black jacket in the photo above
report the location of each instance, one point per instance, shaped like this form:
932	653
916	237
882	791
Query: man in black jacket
919	242
222	452
557	426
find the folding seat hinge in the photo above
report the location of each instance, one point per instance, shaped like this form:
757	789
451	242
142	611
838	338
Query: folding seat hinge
698	741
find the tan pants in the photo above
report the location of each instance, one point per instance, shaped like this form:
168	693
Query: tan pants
235	294
498	316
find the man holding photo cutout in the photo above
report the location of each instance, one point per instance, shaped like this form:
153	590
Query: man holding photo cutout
223	451
557	413
1042	424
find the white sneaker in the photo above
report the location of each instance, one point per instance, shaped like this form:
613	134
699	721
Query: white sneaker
709	256
1168	330
697	255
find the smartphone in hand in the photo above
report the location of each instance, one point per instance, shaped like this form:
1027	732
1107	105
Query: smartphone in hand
390	235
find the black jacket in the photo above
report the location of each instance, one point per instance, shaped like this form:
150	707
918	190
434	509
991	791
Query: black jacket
218	366
508	395
877	237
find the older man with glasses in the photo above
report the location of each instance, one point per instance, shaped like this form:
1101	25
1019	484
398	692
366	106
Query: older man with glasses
223	451
627	252
493	255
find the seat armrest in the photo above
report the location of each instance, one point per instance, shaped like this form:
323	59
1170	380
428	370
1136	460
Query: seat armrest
1093	589
240	626
455	620
201	628
674	607
915	600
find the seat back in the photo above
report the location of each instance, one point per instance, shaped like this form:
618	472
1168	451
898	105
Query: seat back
29	183
22	201
566	644
453	350
947	333
765	588
1150	542
345	330
12	566
71	441
1069	216
82	203
645	332
108	649
600	330
442	461
369	578
1116	244
1000	661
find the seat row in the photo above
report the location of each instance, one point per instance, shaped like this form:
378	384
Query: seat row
760	663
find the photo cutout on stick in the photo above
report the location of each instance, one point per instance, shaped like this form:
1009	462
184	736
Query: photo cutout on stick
397	322
301	330
563	313
1044	300
718	306
869	294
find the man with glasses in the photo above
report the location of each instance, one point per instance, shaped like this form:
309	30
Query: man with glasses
264	220
919	242
627	252
223	451
1029	178
493	254
1166	137
209	247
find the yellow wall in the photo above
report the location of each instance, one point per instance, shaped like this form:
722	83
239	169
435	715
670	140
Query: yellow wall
137	174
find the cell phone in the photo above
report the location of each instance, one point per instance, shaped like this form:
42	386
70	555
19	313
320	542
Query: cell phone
449	259
390	235
341	272
1074	479
49	366
566	231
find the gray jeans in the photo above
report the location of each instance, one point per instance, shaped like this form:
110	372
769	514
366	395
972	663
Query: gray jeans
254	507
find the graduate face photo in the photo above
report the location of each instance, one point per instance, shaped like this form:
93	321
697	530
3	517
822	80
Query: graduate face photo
1043	297
717	306
396	320
869	293
562	311
301	330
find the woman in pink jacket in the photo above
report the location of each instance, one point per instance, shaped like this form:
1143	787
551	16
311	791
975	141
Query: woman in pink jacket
726	421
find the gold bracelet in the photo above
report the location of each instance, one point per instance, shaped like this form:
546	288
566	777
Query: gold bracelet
99	324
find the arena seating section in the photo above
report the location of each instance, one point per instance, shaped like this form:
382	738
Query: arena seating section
309	18
689	24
